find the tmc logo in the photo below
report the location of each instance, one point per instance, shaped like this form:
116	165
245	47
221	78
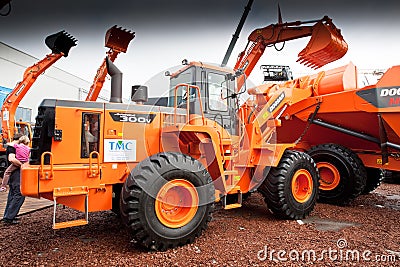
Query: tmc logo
121	145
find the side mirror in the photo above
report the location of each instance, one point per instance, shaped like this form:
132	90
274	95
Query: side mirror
237	73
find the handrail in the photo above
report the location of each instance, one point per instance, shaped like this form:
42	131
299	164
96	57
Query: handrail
42	172
94	172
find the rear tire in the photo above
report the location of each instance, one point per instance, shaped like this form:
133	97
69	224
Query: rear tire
374	179
291	189
343	175
167	200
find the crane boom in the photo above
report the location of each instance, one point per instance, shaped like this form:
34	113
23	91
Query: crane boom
326	44
60	43
117	39
235	36
100	77
14	98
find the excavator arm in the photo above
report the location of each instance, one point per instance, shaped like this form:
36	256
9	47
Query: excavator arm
117	39
326	44
60	44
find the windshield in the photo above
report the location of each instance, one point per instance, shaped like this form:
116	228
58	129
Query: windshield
185	77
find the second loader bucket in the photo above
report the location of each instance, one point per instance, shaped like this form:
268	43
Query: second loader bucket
326	45
118	39
60	42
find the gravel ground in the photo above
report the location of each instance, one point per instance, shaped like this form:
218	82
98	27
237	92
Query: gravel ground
249	236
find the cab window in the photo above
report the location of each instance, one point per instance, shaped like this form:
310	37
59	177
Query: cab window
185	77
90	134
217	92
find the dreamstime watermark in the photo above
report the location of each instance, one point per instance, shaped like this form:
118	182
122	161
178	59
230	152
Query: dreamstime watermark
340	253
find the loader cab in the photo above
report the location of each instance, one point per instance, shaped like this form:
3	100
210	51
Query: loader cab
216	89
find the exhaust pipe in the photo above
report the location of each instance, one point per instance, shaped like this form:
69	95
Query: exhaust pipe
116	82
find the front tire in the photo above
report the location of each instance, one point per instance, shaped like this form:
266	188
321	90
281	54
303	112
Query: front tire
343	175
167	200
291	189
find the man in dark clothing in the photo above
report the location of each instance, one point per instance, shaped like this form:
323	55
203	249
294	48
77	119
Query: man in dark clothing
15	198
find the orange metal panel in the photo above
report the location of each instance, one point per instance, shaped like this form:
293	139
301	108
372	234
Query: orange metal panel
29	187
339	79
69	120
390	78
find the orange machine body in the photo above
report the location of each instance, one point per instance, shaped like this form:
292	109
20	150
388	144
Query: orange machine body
85	164
122	135
362	119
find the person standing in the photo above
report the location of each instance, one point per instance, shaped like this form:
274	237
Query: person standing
22	152
15	199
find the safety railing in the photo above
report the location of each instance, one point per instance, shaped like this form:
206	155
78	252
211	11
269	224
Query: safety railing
48	172
94	171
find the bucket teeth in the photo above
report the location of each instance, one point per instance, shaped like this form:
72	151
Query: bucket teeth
69	36
326	45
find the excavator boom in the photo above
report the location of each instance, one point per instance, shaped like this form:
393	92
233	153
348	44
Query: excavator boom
117	39
60	43
326	44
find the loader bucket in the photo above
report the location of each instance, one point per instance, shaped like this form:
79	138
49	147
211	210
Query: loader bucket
60	42
326	45
118	39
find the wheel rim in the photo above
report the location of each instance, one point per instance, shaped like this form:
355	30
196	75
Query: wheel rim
330	176
176	203
302	186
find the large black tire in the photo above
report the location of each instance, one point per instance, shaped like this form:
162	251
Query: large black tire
141	200
279	187
374	179
337	161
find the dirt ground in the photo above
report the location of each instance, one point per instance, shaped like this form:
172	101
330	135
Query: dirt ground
366	233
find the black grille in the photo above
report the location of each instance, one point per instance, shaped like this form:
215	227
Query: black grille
43	132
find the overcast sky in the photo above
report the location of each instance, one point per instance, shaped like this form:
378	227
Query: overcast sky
169	31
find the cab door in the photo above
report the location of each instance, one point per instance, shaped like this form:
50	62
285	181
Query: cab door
220	106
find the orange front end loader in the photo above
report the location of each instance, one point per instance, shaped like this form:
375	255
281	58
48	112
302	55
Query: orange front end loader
162	168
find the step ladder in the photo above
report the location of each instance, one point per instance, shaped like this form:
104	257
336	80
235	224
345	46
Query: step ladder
233	196
71	192
238	201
